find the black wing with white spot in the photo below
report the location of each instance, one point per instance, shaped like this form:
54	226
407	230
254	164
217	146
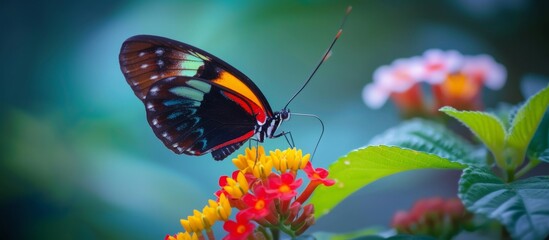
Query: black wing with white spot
196	103
195	116
146	59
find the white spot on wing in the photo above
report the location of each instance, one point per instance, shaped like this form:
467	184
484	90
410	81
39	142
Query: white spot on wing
160	63
141	54
166	136
143	66
153	77
159	51
150	106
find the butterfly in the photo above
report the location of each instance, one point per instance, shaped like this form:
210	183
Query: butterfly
195	102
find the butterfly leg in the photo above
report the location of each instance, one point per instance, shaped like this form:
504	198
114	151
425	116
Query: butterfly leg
288	136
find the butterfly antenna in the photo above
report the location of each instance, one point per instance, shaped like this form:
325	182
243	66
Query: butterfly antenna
321	132
324	57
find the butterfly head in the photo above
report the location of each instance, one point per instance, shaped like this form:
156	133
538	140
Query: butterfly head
283	115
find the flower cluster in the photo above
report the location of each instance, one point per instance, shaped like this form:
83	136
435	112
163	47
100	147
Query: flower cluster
454	79
265	192
434	217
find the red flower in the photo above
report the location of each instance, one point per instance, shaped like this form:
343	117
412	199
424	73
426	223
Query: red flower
239	229
437	217
284	185
318	175
258	204
424	207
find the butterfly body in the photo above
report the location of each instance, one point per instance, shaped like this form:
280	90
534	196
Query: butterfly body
195	102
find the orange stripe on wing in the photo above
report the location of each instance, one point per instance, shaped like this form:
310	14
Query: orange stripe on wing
229	81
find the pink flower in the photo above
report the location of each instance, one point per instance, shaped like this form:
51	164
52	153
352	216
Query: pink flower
399	77
484	70
438	64
455	80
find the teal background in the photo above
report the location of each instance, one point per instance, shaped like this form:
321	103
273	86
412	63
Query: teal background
79	160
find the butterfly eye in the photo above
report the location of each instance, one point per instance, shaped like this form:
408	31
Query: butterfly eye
285	114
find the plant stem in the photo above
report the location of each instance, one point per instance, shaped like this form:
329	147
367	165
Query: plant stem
275	233
265	233
510	175
500	161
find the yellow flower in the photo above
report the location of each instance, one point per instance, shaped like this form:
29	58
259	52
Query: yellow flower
289	160
224	208
237	188
263	167
247	161
183	236
195	222
214	211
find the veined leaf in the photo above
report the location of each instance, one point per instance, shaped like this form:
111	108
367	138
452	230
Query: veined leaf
487	127
528	117
341	236
363	166
539	145
521	206
431	137
526	122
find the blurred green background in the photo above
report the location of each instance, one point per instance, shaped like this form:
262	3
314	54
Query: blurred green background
80	161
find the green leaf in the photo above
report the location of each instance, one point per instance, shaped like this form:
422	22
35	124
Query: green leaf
342	236
363	166
396	237
539	146
521	206
487	127
431	137
526	122
528	118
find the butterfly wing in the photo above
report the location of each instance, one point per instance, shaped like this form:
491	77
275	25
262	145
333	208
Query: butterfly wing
146	59
196	116
196	103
